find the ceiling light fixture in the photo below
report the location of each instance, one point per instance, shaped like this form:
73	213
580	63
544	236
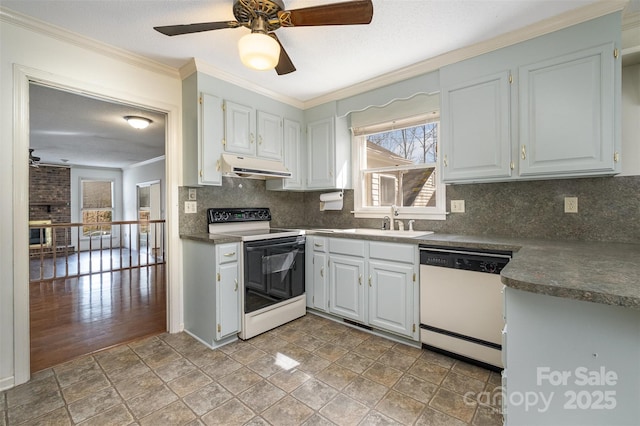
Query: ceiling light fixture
258	50
137	122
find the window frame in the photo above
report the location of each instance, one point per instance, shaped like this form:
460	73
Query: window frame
82	209
359	150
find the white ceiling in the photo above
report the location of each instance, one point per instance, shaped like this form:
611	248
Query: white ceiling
328	59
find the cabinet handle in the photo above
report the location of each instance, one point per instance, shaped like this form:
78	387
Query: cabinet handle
318	244
369	280
446	163
616	157
360	279
218	165
251	138
236	287
218	276
512	165
219	328
260	140
233	253
322	271
523	153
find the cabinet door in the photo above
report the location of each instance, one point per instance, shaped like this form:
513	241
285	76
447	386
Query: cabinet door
269	136
239	129
347	289
321	154
391	297
227	291
476	140
567	114
211	137
292	154
320	277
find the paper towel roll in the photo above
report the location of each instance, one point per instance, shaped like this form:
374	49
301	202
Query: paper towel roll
331	196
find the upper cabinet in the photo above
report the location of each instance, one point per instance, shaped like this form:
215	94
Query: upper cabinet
321	159
544	108
247	132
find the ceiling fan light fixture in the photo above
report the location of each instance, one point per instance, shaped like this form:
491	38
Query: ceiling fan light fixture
137	122
259	51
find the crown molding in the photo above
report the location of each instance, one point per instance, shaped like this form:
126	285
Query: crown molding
145	162
564	20
58	33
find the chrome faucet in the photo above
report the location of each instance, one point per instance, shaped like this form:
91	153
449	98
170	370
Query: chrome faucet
385	223
411	222
394	212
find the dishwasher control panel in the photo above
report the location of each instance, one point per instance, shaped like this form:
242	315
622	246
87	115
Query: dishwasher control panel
477	261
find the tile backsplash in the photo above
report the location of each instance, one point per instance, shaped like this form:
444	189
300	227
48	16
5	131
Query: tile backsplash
608	208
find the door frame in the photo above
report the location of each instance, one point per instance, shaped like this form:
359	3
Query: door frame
23	77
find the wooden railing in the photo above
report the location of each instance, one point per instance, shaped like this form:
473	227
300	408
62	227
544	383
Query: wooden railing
76	249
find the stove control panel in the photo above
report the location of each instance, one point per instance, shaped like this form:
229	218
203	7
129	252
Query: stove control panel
226	215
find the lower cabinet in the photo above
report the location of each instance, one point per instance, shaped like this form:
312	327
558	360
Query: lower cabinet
370	282
211	291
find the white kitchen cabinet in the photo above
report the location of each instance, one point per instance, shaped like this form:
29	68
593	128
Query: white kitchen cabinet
475	122
347	292
227	290
247	132
375	283
567	114
317	273
211	296
321	159
269	136
543	108
292	158
240	129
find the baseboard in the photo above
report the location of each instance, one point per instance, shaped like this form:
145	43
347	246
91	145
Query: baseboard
7	383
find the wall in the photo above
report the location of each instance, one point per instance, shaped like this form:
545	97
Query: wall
30	51
50	194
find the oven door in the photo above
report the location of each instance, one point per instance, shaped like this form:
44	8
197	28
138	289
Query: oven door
273	271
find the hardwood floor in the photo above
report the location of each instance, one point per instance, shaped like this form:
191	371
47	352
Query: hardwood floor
77	316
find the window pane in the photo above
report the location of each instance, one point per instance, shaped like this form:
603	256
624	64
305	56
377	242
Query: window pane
91	217
96	194
408	188
144	196
414	145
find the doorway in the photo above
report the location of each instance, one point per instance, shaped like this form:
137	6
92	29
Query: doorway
102	277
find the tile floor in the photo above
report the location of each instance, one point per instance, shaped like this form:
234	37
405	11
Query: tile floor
311	371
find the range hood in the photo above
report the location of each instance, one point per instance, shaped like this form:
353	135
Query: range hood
259	168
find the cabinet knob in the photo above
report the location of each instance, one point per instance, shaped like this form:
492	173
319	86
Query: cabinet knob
360	279
322	271
260	140
236	287
445	161
369	280
523	152
218	165
251	138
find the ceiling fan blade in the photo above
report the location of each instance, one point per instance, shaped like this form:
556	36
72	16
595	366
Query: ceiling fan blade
172	30
285	66
345	13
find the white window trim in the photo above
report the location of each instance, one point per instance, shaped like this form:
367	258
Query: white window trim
423	213
81	209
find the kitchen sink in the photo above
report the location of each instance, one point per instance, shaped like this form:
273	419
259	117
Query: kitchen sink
379	232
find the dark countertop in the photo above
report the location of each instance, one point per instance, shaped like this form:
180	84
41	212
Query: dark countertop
607	273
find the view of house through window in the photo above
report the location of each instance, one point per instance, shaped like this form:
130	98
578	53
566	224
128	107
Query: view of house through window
97	207
399	167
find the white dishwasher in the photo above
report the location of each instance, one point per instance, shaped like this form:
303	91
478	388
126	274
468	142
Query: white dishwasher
461	303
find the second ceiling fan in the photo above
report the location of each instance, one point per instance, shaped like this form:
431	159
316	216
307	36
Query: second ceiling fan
261	49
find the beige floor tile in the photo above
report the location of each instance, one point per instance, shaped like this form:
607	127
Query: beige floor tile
161	356
355	362
461	384
222	367
336	376
416	388
314	393
232	412
174	369
365	391
189	383
431	417
261	396
454	404
114	416
289	380
330	351
89	385
138	385
471	370
487	416
318	420
153	400
203	356
370	349
46	403
383	374
396	359
94	404
287	411
308	342
344	411
375	418
268	365
400	408
437	358
117	359
57	417
83	372
247	354
207	398
31	391
134	369
313	364
176	413
240	380
427	371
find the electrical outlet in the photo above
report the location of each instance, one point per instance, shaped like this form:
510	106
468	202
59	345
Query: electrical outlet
192	194
457	206
190	207
571	204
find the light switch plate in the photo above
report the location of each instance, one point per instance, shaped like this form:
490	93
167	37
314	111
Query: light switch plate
192	194
457	206
190	207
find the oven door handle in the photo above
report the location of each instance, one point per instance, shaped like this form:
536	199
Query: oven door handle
293	245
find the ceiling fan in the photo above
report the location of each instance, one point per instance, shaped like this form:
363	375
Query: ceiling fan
33	160
261	49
